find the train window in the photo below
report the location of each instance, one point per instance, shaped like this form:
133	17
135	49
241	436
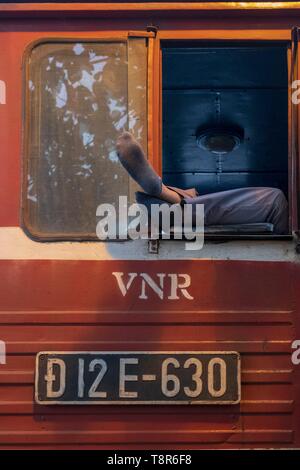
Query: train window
78	100
230	128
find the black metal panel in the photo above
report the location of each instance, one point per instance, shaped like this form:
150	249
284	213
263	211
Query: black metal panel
262	158
211	182
261	113
233	67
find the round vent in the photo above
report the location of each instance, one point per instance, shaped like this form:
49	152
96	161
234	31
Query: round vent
219	140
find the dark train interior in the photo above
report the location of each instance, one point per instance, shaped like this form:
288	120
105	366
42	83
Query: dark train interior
225	115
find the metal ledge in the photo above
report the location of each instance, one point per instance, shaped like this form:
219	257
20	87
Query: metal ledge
41	8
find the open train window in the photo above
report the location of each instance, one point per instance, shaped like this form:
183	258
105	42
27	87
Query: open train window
225	85
79	97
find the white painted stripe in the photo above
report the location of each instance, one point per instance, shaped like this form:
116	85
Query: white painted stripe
148	377
2	92
15	244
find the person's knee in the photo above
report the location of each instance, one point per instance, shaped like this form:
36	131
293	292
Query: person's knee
279	211
277	197
280	199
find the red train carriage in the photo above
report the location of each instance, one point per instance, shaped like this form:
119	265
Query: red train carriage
129	344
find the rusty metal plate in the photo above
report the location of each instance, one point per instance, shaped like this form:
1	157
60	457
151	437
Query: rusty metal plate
147	377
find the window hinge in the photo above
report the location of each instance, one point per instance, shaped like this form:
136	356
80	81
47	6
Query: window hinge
151	28
153	246
297	240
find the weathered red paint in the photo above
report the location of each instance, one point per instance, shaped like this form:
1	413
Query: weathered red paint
66	305
250	307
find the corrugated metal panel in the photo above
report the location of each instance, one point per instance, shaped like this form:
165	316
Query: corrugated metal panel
251	307
56	305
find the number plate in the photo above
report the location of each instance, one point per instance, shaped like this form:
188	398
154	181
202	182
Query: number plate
76	378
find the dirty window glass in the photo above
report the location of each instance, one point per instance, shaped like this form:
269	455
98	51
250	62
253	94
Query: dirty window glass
76	106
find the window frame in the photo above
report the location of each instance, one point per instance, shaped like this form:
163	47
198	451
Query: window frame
154	110
223	37
117	37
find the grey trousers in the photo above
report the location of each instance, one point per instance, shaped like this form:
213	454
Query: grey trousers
241	206
234	206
